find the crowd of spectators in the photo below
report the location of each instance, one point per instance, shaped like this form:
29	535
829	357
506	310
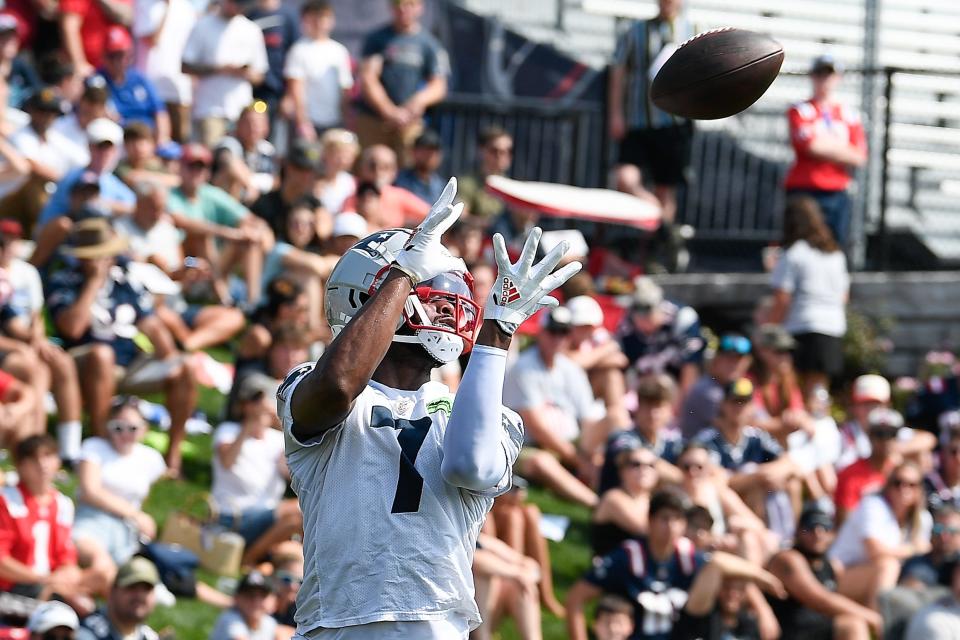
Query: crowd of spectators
173	182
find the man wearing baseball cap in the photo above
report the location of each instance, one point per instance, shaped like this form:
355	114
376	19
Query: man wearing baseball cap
760	471
870	392
421	178
35	156
563	423
731	360
248	619
204	211
53	620
129	604
829	141
104	137
868	474
133	95
592	347
813	608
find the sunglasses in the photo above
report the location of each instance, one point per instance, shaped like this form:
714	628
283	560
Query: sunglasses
900	483
939	529
883	434
735	344
636	464
197	166
70	635
121	426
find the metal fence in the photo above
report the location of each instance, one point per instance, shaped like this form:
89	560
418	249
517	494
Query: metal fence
906	200
550	144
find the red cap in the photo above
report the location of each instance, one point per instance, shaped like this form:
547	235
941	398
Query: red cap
194	152
11	227
118	39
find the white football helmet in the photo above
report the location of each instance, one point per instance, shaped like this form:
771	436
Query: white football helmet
361	269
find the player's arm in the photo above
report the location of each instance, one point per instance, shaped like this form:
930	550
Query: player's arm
325	395
473	457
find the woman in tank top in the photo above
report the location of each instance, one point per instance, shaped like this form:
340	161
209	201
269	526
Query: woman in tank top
622	511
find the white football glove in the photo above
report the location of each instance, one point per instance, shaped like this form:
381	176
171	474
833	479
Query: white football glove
521	289
423	257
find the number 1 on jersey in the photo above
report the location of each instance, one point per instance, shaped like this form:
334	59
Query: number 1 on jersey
411	435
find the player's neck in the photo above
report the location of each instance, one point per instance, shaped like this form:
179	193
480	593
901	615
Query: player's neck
403	373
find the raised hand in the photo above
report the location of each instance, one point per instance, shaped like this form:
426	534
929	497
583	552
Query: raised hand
521	288
423	257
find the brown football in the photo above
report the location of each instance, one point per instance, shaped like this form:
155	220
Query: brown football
717	74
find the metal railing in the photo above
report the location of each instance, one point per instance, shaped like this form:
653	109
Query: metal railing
550	144
906	204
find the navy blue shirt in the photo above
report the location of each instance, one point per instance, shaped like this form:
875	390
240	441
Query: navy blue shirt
667	447
97	626
677	342
281	28
120	304
756	446
658	590
136	100
22	82
428	191
409	60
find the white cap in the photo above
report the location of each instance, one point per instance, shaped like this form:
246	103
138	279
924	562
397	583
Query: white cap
647	294
51	615
585	311
348	223
871	388
104	130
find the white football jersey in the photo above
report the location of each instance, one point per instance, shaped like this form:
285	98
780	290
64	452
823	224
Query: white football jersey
386	538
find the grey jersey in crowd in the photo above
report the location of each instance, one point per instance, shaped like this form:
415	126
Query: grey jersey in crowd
386	538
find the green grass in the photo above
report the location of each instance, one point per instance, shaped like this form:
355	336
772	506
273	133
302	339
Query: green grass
192	620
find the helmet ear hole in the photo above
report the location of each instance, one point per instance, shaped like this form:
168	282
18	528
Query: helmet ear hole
363	297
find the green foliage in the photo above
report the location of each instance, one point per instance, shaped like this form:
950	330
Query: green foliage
866	345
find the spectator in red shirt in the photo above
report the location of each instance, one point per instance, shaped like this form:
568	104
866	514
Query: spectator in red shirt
867	475
84	23
37	557
398	207
829	143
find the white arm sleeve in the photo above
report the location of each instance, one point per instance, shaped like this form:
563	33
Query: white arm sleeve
473	454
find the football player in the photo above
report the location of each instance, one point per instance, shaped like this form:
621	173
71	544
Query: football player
394	474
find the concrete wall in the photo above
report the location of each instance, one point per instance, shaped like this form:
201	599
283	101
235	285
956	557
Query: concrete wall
923	307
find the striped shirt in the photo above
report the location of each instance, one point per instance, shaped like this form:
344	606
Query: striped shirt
642	50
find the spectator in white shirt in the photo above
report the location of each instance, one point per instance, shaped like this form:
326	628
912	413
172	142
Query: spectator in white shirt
225	51
115	476
48	153
564	425
336	184
884	530
161	28
318	72
250	472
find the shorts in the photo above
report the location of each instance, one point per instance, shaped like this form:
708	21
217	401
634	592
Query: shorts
117	538
808	624
250	523
664	154
189	315
818	353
